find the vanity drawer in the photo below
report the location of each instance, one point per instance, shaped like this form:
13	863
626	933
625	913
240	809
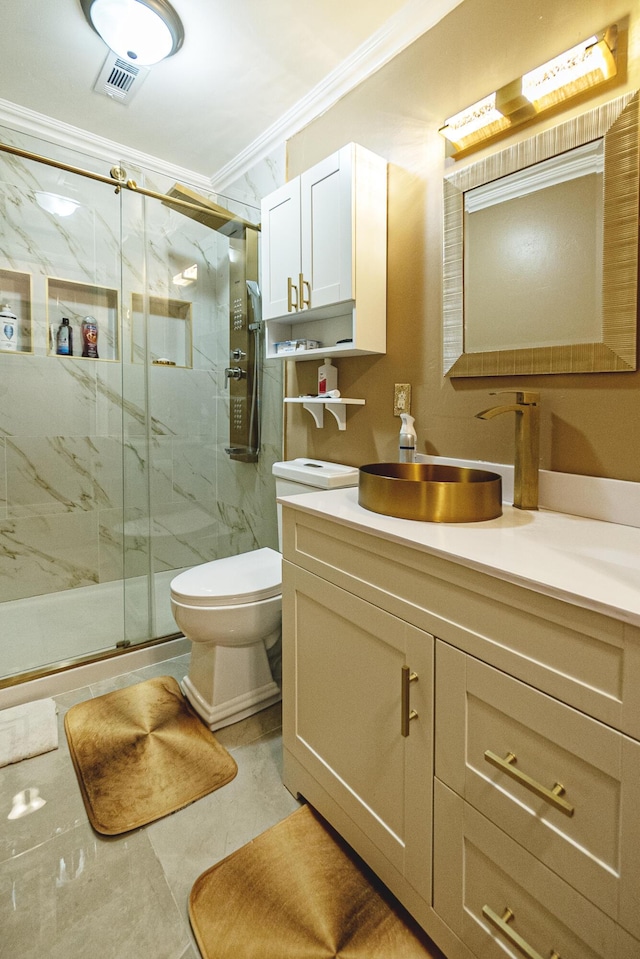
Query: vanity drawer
585	831
479	873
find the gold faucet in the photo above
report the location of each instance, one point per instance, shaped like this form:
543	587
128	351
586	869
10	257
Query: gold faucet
525	476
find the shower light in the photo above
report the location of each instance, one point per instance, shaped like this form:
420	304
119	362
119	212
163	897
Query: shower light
140	31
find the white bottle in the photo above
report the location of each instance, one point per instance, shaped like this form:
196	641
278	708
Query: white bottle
408	439
8	329
327	378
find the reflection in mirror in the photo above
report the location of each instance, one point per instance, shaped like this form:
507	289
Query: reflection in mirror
541	245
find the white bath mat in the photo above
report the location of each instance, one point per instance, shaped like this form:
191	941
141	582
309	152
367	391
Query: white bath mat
28	730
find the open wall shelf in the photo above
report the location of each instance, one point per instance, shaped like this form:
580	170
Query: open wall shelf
76	301
316	405
15	291
169	331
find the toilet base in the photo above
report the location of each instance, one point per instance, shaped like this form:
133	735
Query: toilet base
228	683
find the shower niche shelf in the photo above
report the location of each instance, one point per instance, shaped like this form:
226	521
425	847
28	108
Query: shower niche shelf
169	339
15	291
76	300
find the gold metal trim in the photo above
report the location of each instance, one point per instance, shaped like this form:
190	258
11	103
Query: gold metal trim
406	713
552	796
500	922
304	302
292	305
617	123
65	665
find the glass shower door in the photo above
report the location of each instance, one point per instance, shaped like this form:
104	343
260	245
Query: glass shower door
61	482
175	278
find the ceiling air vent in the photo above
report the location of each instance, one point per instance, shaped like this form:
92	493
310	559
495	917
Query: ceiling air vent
120	79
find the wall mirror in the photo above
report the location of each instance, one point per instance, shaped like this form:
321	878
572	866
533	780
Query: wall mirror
541	251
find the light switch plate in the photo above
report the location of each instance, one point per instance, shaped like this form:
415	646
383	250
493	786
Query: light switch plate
402	398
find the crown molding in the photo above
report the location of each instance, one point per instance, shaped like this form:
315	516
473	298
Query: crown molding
414	19
38	125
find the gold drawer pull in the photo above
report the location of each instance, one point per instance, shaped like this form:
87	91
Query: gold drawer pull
552	796
501	924
406	713
302	283
292	305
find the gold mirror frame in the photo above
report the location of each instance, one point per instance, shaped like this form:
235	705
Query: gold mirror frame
617	123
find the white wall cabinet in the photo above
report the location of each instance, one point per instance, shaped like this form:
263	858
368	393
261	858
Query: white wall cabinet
324	257
536	754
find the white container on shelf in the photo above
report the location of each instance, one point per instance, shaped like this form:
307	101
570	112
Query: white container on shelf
8	329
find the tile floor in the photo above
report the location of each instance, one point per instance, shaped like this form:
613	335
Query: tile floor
67	892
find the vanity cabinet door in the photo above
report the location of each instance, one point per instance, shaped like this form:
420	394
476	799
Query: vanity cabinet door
480	873
327	230
563	785
280	247
343	664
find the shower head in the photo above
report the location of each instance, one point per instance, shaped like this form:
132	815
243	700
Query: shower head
205	211
256	299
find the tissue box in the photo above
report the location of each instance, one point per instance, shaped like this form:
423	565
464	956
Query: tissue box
296	346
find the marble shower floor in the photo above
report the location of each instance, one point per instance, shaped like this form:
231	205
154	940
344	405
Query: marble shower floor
66	892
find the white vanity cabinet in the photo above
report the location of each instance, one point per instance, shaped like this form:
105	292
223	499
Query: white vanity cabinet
529	824
563	786
345	715
324	257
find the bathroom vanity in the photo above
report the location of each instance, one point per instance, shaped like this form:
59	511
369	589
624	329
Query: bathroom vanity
462	703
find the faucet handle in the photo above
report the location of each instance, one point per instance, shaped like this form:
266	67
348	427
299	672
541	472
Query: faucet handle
523	397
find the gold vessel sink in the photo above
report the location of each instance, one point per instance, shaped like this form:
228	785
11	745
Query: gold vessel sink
429	492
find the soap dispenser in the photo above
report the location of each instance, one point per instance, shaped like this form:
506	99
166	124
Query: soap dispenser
408	439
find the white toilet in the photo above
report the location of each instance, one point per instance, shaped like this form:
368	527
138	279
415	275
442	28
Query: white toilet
231	610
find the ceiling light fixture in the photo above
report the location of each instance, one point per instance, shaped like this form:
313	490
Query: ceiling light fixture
140	31
590	63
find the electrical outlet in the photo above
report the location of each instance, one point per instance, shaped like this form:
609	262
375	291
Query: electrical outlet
402	398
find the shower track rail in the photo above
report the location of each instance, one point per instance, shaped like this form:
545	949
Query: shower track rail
118	178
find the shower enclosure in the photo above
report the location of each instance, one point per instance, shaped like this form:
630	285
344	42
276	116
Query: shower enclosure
114	469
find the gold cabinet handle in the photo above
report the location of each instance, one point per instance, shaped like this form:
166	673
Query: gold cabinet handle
292	305
302	283
552	796
501	924
406	713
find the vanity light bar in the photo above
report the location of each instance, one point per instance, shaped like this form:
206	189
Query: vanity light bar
586	65
477	122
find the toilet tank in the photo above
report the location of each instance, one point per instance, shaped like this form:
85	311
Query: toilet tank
304	475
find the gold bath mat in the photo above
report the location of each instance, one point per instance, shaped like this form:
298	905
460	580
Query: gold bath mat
141	753
299	892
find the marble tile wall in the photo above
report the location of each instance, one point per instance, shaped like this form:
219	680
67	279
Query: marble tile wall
116	468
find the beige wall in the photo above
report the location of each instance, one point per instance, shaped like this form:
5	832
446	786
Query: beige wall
590	422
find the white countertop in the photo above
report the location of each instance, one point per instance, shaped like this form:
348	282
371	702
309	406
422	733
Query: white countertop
587	562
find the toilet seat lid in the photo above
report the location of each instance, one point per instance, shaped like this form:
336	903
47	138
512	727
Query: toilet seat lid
232	581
